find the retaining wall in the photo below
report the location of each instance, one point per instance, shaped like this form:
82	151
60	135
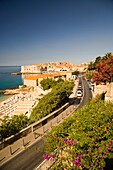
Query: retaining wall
108	88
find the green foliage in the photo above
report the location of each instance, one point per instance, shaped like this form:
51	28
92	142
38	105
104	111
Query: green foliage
12	126
59	80
47	83
76	72
104	71
107	56
53	100
98	60
85	140
89	74
101	69
58	132
93	65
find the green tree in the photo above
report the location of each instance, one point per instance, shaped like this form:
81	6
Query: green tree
47	83
107	56
97	60
91	66
76	72
52	101
12	126
104	71
89	74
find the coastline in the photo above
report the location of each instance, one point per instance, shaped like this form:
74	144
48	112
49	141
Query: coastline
15	90
16	73
8	93
4	97
9	82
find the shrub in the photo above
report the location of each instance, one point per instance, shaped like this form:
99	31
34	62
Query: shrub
53	100
87	141
12	126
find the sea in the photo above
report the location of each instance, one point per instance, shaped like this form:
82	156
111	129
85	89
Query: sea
9	81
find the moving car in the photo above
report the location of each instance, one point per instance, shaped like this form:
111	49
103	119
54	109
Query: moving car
79	93
80	89
80	86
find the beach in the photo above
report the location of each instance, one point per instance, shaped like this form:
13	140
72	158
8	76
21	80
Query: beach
8	93
22	100
14	97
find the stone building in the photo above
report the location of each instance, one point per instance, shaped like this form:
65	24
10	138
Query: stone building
33	69
35	80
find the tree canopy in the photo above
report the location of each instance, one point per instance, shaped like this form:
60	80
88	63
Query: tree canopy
101	70
76	72
10	126
49	83
53	100
93	64
89	74
104	71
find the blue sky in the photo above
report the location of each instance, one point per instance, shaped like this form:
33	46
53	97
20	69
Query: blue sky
38	31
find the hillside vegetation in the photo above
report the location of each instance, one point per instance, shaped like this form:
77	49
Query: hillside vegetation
84	140
12	126
53	100
49	103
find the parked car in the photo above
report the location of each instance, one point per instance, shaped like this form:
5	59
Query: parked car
80	89
79	93
79	86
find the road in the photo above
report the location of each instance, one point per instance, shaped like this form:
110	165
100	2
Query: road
87	93
32	157
28	159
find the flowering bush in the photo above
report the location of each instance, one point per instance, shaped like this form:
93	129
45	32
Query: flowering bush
86	142
104	71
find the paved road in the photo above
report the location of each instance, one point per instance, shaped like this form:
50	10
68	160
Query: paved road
87	93
29	159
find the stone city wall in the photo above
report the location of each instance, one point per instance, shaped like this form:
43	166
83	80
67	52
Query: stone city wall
98	89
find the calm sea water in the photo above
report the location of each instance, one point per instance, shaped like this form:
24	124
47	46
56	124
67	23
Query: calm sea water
8	81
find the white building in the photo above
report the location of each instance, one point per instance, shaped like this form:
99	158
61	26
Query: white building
33	69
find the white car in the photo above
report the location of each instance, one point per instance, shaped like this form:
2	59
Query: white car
79	93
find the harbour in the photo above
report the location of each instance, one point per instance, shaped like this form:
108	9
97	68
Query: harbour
16	73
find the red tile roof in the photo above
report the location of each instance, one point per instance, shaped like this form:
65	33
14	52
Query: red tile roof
45	76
